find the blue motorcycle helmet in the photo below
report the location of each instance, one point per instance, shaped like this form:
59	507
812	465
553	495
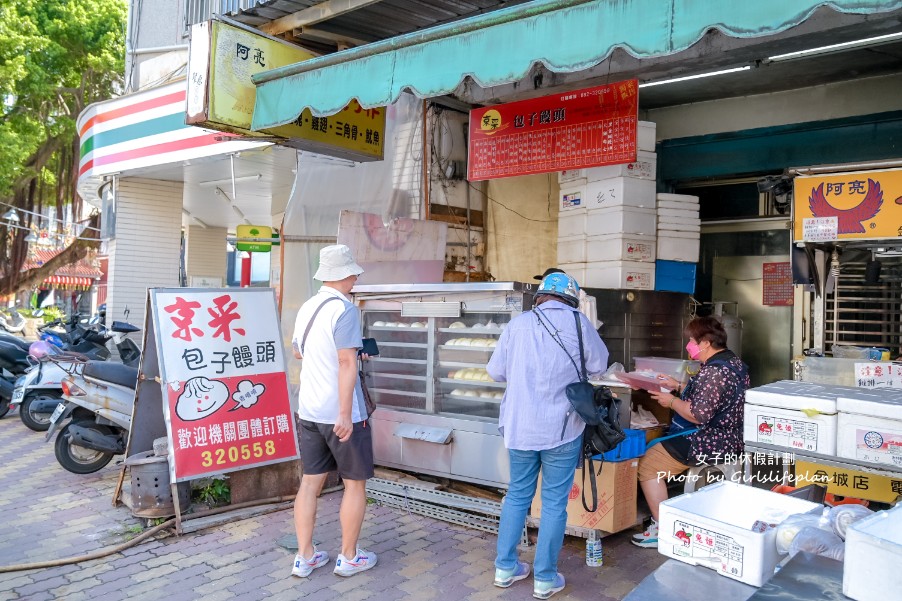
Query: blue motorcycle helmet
562	286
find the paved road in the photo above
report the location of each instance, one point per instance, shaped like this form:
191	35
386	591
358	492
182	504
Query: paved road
47	513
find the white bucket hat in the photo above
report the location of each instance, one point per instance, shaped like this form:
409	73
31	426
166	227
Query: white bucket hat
336	263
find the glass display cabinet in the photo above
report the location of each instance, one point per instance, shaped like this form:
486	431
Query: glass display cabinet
438	407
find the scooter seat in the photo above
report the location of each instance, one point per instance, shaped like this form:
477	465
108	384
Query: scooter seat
13	357
20	342
124	327
115	373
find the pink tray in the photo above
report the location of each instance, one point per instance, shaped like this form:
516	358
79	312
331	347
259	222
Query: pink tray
635	380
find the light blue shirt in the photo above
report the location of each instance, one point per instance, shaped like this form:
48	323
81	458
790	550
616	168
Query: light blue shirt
534	407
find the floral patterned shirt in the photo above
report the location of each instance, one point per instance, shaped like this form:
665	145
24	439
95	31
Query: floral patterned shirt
716	396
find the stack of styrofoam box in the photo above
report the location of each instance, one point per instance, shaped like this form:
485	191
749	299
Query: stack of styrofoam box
679	228
606	225
801	416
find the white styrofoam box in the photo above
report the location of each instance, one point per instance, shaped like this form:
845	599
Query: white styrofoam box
633	275
572	223
679	227
574	270
572	198
572	176
633	247
613	192
677	249
797	415
571	250
680	234
712	527
679	220
620	221
870	426
873	556
677	213
645	137
644	167
678	197
675	204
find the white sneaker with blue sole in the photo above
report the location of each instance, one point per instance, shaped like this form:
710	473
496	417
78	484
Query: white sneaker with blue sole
363	561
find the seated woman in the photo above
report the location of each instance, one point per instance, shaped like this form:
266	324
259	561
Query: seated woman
712	401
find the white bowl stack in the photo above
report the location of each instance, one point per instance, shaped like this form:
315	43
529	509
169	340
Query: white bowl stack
607	221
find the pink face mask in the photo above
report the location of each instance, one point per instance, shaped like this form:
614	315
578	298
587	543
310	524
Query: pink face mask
693	350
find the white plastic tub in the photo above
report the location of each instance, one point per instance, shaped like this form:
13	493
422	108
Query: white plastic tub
713	528
797	415
873	559
678	369
870	426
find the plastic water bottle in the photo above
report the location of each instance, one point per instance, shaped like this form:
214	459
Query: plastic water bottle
594	557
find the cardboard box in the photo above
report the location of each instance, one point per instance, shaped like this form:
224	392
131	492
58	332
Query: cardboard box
617	492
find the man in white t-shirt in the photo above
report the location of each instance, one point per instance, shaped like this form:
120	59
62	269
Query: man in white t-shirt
334	433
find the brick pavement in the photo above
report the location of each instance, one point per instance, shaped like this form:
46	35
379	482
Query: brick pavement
48	513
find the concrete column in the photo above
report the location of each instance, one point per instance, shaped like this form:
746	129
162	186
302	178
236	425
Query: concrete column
205	253
146	250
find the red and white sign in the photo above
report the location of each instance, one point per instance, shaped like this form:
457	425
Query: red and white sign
776	284
225	391
572	130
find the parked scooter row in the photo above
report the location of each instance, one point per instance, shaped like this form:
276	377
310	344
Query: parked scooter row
89	400
37	389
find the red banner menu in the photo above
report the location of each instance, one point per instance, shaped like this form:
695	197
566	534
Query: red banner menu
571	130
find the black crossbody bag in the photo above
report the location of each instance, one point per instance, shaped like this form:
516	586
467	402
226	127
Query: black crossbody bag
598	407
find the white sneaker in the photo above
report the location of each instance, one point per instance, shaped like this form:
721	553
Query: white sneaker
362	562
304	567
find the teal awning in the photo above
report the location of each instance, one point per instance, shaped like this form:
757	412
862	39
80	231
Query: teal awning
500	47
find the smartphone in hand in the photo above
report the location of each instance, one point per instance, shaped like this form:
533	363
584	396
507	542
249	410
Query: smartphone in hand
369	347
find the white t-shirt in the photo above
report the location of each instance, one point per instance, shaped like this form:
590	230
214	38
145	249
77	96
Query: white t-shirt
337	326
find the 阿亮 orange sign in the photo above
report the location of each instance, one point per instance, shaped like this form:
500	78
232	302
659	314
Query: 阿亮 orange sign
848	206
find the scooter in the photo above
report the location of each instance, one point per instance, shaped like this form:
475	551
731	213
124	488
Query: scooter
98	399
40	389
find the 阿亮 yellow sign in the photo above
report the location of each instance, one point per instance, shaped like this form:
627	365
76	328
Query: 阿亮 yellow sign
849	483
223	57
848	206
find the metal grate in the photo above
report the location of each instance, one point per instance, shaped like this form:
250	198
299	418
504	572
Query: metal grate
862	314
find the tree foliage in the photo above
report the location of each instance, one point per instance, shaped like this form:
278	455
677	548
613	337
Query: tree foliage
57	57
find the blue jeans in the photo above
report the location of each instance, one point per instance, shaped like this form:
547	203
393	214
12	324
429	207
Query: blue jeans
558	468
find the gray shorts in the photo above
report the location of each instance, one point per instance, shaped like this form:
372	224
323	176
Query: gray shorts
322	452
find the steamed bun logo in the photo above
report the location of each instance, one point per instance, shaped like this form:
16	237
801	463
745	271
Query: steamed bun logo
201	398
247	394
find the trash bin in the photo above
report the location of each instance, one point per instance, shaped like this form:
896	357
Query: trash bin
151	491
